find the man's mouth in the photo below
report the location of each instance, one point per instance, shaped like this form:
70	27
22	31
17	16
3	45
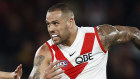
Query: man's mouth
55	37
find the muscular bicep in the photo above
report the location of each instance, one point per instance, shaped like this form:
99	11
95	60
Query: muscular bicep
113	35
41	62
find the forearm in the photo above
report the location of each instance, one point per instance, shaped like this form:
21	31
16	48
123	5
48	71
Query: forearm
6	75
136	38
114	35
127	33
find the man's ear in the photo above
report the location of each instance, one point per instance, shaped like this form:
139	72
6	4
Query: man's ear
70	22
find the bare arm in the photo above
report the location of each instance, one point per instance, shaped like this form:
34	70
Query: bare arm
113	35
41	61
6	75
43	69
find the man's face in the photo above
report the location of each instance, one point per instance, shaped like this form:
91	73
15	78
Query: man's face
57	27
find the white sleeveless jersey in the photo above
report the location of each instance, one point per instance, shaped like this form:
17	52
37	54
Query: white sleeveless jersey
84	59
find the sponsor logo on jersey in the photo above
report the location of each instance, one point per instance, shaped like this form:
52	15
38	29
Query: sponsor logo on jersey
62	62
84	58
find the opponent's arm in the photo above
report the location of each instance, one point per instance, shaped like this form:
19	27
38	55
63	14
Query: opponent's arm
43	69
12	75
6	75
113	35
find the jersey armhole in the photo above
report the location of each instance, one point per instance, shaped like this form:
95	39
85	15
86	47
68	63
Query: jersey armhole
50	50
99	41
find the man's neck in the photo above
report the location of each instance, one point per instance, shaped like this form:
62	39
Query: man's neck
72	37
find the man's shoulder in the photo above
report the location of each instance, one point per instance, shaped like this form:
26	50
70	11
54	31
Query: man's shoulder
87	29
43	49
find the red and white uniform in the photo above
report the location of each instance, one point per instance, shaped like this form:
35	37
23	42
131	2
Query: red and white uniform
84	59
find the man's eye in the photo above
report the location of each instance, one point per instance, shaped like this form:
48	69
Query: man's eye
55	23
48	24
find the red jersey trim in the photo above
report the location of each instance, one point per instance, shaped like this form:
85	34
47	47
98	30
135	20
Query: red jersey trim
99	41
88	43
51	51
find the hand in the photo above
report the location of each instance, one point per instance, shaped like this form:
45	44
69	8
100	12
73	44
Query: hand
18	72
50	71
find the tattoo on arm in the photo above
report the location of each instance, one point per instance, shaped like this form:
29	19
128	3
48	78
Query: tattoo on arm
36	75
114	35
107	34
37	62
39	59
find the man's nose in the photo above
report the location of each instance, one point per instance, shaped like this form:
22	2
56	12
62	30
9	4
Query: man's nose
51	28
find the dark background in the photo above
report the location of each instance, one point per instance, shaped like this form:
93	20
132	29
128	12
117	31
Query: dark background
23	30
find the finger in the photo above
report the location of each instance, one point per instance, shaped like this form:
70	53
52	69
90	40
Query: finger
53	64
49	68
57	77
56	73
58	67
18	68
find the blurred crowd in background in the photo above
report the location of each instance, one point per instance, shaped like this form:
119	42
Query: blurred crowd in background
23	29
